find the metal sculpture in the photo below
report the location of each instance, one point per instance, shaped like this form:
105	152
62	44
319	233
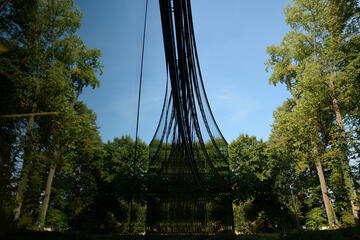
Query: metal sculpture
189	190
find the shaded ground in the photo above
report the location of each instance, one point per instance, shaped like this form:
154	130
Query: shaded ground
340	234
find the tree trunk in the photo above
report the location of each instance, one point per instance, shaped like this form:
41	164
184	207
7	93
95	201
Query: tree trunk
330	213
26	164
332	219
45	202
348	180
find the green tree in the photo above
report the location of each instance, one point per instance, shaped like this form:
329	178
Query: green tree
77	67
312	59
49	65
257	175
116	200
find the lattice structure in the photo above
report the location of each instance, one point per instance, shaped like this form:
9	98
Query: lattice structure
189	190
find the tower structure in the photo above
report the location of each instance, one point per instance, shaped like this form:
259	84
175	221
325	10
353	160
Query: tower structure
189	178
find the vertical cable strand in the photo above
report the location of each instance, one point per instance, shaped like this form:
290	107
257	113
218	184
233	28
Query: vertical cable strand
140	84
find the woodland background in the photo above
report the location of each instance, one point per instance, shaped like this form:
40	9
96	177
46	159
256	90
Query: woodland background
56	172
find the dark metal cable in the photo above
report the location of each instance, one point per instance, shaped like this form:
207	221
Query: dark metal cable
140	84
186	163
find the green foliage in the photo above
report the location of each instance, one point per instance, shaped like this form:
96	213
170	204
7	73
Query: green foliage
241	222
249	163
259	188
25	221
312	61
111	188
315	218
347	219
45	66
57	220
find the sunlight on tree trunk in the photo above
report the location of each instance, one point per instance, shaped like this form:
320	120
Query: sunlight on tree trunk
46	199
348	180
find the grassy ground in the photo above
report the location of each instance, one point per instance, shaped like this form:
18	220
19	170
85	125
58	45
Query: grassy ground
352	233
340	234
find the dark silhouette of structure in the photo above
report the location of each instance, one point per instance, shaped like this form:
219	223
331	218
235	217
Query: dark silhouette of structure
189	178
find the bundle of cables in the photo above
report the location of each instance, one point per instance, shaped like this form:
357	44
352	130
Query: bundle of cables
189	178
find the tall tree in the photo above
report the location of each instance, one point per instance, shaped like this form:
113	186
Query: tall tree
314	58
287	62
55	68
74	67
21	29
342	26
257	175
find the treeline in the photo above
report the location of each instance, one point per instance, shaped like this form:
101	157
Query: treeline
307	174
315	135
44	67
54	169
56	172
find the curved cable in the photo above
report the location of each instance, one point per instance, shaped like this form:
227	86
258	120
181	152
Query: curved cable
140	84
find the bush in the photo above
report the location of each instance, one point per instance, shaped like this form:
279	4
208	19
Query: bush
347	219
57	220
241	222
25	221
315	218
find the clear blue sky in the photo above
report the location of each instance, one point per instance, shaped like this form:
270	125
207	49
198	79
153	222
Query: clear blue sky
232	36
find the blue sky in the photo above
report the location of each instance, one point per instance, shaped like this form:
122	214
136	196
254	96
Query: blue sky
231	35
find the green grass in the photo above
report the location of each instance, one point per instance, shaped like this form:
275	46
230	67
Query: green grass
352	233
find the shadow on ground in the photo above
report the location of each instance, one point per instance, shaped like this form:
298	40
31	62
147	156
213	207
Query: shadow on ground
352	233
